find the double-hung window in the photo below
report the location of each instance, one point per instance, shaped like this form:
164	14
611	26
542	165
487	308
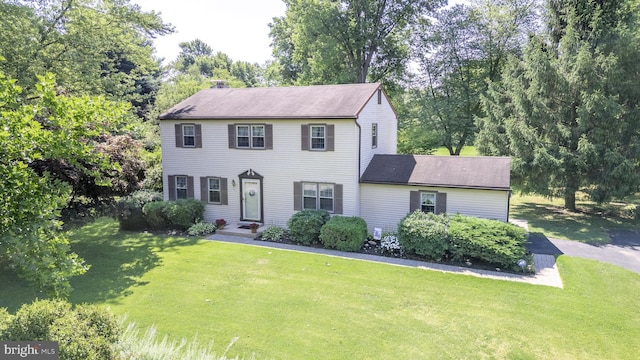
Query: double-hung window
214	190
250	136
318	137
188	135
428	202
318	196
181	187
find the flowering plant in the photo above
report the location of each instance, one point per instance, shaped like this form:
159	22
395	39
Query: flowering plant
254	226
221	222
391	244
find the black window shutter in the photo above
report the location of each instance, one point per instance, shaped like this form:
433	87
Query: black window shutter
441	203
178	128
198	135
337	199
190	190
305	137
268	135
414	201
204	189
297	196
224	193
331	129
232	136
172	187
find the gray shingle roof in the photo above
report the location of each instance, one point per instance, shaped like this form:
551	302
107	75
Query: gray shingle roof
300	102
475	172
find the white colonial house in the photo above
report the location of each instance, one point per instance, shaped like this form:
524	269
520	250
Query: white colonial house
262	154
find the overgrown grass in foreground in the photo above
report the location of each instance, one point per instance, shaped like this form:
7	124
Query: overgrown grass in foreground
283	304
589	224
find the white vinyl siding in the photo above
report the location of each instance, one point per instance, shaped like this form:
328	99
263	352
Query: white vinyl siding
280	167
385	205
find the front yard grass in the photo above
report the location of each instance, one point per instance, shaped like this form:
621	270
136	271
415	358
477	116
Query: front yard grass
287	305
588	225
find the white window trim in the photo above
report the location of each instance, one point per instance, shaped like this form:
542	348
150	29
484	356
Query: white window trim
210	190
423	193
185	188
251	136
324	137
318	197
184	136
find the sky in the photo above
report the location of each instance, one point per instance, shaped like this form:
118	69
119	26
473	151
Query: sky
238	28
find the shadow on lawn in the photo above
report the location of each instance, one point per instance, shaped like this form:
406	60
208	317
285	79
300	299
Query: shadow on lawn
118	260
555	221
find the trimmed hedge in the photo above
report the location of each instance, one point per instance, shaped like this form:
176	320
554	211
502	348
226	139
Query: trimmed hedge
154	215
304	226
274	233
491	241
129	209
425	234
344	233
184	212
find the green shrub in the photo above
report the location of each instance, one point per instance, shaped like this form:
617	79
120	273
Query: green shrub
201	228
425	234
154	215
129	209
184	212
492	241
86	332
304	226
344	233
274	233
5	320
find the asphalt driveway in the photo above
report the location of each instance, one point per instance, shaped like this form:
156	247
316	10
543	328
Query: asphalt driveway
624	249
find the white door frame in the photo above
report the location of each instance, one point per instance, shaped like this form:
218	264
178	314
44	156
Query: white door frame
251	190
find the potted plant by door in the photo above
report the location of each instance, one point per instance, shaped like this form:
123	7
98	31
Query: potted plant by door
254	227
220	223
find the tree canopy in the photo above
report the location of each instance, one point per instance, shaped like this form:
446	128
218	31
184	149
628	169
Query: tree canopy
38	126
347	41
568	112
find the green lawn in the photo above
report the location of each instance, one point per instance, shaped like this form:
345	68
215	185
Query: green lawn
289	305
587	225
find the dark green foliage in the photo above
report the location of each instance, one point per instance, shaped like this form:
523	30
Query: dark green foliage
274	233
344	233
184	212
304	226
83	332
425	234
491	241
129	209
155	216
201	228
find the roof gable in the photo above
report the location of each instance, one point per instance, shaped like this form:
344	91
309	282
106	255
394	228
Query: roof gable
299	102
478	172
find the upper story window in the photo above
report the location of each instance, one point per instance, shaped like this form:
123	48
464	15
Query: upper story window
188	135
374	135
258	136
317	137
428	202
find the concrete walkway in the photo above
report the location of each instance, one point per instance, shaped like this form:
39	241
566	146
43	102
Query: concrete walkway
546	269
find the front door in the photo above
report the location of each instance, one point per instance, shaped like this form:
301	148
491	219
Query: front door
251	206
